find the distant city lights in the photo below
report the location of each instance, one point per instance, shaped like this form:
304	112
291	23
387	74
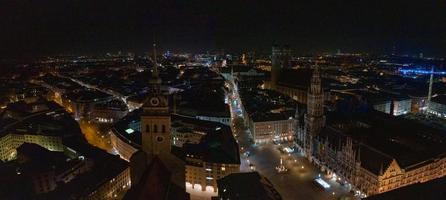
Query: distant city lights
419	71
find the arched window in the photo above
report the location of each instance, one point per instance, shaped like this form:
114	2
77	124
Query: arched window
147	128
163	129
155	128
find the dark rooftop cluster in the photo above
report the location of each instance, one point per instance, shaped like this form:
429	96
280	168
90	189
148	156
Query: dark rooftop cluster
203	94
217	146
62	84
381	138
12	91
37	118
266	105
247	186
49	119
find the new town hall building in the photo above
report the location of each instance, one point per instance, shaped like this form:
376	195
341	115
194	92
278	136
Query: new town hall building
372	152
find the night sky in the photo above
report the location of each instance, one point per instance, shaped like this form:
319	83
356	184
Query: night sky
45	27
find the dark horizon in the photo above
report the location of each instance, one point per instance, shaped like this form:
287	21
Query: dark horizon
48	27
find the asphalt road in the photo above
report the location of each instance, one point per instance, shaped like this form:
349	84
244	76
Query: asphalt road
96	135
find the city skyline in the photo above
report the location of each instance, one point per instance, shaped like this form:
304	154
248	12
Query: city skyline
78	27
236	100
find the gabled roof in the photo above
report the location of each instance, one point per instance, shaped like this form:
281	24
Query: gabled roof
431	190
155	183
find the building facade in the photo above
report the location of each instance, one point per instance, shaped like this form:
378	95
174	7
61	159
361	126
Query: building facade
366	169
402	106
112	189
437	106
314	118
267	131
216	156
203	175
10	142
347	165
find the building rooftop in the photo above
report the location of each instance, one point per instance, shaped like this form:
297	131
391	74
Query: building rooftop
105	168
298	78
115	104
247	186
431	190
441	99
376	97
267	105
87	96
204	100
17	187
43	117
217	146
34	159
381	137
157	175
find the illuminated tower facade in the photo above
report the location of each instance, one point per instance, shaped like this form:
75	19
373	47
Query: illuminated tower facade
314	118
155	119
156	129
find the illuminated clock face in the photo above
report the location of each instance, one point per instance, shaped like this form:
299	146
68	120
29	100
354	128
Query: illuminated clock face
160	139
154	101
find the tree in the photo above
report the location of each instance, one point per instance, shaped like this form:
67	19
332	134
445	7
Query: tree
239	123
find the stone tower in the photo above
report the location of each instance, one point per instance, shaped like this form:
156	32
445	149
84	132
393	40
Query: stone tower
155	119
314	118
156	129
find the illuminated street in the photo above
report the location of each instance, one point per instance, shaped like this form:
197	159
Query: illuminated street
298	181
95	135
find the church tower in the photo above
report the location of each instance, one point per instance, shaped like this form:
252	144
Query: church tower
315	118
155	119
156	129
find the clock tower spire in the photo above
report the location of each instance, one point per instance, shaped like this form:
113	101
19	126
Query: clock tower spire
156	128
155	119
